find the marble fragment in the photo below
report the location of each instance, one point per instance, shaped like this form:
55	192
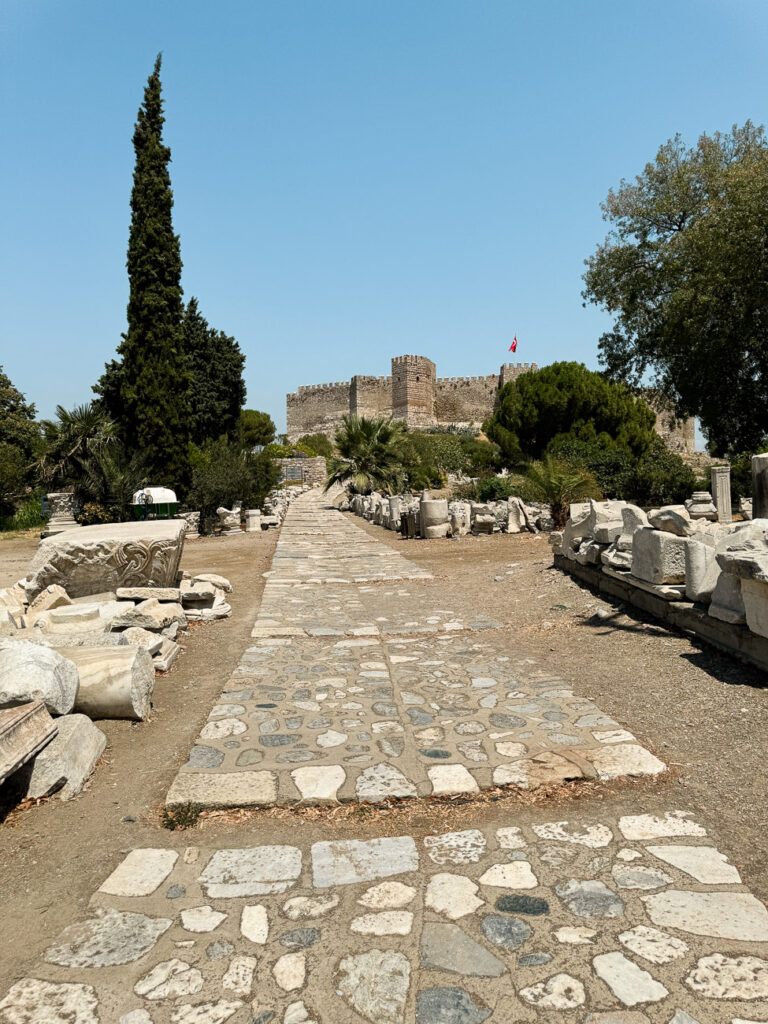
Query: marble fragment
464	847
348	861
452	895
110	939
251	872
386	922
201	919
140	873
289	971
169	979
628	982
652	945
723	977
375	984
560	992
254	923
387	895
704	863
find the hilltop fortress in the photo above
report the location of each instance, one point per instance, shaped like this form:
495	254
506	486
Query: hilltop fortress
414	393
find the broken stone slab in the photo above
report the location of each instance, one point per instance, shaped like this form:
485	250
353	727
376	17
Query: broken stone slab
666	591
24	731
633	519
143	593
220	610
138	637
589	552
67	761
96	558
672	519
658	557
201	592
166	656
615	559
52	597
80	617
754	594
727	603
606	533
115	682
29	672
701	569
152	615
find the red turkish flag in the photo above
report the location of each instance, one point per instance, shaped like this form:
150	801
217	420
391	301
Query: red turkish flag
513	346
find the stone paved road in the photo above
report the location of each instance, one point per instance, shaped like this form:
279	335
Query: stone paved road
587	918
367	691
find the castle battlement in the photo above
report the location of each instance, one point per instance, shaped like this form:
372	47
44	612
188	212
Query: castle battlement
304	388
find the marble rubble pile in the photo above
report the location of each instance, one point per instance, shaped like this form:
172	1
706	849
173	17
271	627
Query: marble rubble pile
672	554
430	518
276	505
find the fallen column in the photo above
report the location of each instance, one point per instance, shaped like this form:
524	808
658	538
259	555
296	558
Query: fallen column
115	682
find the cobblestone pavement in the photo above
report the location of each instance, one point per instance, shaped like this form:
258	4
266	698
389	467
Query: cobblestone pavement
361	691
593	918
615	922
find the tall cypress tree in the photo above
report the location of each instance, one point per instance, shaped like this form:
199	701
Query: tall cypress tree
153	412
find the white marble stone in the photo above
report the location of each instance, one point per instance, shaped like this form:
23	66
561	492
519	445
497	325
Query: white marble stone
723	977
254	923
375	984
722	915
201	919
387	922
32	1001
704	863
611	762
511	838
169	979
651	944
577	936
319	782
648	826
515	875
454	896
290	971
388	895
206	1013
628	982
309	906
560	992
593	836
251	872
381	781
140	873
465	847
348	861
448	779
238	977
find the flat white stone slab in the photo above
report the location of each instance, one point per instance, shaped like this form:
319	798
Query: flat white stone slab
349	861
721	915
704	863
648	826
614	761
628	982
261	870
227	789
140	873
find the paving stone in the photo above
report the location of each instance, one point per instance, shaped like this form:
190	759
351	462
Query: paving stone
204	757
108	940
299	938
575	936
238	977
591	898
723	915
348	861
452	895
510	838
531	905
254	923
387	895
452	778
206	1013
704	863
638	876
724	977
653	945
647	826
387	922
381	781
290	971
449	1006
169	979
594	836
308	906
375	984
140	873
445	947
612	762
219	950
254	872
628	982
515	875
201	919
464	847
319	783
228	789
507	932
32	1001
560	992
533	959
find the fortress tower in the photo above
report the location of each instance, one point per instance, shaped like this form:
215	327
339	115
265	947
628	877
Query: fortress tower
413	390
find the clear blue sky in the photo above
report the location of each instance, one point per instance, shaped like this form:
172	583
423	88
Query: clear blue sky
353	179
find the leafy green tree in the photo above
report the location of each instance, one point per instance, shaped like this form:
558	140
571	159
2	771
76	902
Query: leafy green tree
567	399
683	273
317	444
19	442
216	389
558	484
255	428
613	467
224	474
70	439
661	478
148	395
369	454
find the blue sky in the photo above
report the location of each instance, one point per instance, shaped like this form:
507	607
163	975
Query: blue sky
353	179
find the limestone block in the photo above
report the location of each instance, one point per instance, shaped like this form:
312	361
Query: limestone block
152	615
701	569
29	672
754	593
484	523
701	506
615	558
434	512
672	519
201	593
461	518
435	532
92	559
229	519
573	531
633	519
760	486
220	582
658	557
606	533
145	593
394	512
253	520
589	552
745	507
516	518
52	597
601	512
138	637
166	656
24	731
556	541
727	602
115	682
68	760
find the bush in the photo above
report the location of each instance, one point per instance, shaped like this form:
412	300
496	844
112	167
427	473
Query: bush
29	517
92	513
223	474
558	484
316	444
613	467
661	478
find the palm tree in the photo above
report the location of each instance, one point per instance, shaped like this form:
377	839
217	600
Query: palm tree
558	484
369	456
71	438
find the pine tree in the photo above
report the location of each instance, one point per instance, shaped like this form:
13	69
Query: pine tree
153	410
217	389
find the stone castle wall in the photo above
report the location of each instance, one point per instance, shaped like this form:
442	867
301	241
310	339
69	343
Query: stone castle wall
415	394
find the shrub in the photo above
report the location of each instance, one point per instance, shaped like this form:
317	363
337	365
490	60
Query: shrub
661	478
613	467
316	444
92	513
29	517
223	474
559	483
